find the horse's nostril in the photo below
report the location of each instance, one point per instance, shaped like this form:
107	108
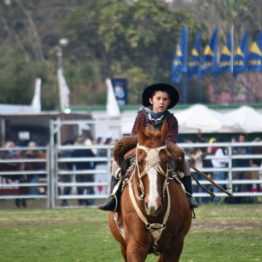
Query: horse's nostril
152	210
158	209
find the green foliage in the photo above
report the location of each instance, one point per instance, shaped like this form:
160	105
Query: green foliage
128	36
50	96
107	38
16	78
81	80
138	80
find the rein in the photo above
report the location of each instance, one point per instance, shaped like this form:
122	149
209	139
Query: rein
155	229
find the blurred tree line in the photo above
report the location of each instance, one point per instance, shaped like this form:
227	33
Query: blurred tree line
107	38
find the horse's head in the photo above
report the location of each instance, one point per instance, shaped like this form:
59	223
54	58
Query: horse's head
152	158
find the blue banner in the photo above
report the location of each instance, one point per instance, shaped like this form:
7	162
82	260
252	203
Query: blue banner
180	58
226	56
255	54
209	61
241	56
195	55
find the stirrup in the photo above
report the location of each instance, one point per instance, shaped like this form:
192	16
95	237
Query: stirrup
192	201
111	204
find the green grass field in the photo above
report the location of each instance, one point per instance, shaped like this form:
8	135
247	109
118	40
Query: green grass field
225	233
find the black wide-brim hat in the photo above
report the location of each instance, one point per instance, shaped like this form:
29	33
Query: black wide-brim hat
171	90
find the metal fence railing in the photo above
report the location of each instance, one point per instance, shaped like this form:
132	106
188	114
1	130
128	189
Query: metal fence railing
80	174
58	175
24	173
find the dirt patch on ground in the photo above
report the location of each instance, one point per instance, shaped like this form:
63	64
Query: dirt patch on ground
207	218
197	224
226	223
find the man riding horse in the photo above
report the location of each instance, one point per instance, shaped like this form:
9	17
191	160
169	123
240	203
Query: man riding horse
157	99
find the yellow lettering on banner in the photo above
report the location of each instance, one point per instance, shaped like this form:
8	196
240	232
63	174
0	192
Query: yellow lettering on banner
255	62
238	63
193	63
224	64
177	63
206	65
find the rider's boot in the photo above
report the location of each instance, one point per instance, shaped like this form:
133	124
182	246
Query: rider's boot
111	203
183	172
187	182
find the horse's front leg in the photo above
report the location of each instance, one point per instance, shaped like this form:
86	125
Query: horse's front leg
123	252
174	253
136	252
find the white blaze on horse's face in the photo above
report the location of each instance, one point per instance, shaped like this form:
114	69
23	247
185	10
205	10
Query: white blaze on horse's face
153	198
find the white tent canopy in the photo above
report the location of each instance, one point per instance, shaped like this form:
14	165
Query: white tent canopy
247	118
200	118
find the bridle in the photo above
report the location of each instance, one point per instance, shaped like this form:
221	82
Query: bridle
153	161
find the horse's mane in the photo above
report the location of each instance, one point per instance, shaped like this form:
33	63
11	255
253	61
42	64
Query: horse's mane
152	134
129	142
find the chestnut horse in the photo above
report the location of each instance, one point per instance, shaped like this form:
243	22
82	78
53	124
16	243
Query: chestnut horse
154	215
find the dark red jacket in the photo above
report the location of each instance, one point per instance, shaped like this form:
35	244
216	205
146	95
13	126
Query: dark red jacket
171	123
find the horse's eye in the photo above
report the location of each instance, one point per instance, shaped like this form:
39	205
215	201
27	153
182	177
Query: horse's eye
164	163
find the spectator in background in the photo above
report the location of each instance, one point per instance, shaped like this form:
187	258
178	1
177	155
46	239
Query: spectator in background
241	162
102	177
66	178
103	151
11	153
196	159
233	139
32	153
97	141
220	161
234	151
256	162
108	141
207	164
84	165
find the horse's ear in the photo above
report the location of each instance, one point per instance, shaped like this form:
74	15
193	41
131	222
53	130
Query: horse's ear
164	130
140	133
